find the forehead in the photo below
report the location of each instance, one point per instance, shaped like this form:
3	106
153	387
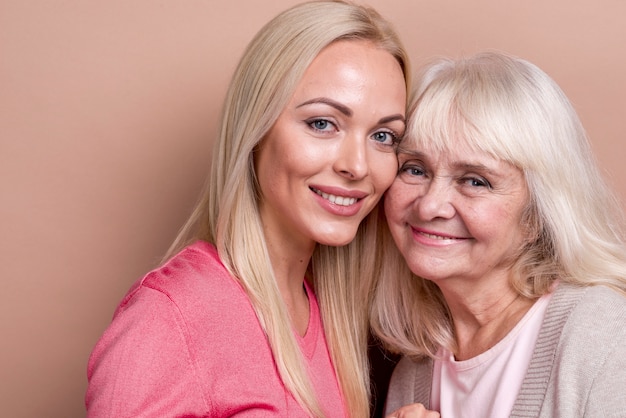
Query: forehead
357	62
357	75
452	148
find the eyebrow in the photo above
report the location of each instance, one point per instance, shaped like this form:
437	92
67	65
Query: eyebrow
476	167
346	110
324	100
392	118
410	152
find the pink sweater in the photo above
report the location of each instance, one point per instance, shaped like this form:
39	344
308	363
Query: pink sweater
185	342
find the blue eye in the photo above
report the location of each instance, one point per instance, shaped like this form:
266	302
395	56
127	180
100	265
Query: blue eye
476	182
412	173
385	137
320	124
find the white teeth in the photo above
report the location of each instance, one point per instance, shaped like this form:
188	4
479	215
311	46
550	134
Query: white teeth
337	200
435	236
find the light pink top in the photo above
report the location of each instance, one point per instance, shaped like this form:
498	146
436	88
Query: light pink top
486	386
185	342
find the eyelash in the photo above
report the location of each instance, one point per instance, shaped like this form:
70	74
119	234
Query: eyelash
312	123
415	170
412	168
395	138
476	182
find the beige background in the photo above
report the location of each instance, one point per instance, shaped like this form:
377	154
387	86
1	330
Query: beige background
107	113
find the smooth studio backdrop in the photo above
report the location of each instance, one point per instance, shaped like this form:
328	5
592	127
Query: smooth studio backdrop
107	117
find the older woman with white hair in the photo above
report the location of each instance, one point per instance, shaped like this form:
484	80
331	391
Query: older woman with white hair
507	294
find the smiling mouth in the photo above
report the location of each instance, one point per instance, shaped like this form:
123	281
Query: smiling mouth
337	200
439	237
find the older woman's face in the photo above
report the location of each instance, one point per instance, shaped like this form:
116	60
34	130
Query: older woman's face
457	215
331	154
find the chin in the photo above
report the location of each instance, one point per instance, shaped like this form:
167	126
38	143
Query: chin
335	234
335	243
336	240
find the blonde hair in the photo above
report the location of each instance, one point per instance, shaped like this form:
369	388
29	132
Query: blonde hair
227	213
510	109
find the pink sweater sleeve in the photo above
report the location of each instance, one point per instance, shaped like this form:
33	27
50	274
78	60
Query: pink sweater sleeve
142	366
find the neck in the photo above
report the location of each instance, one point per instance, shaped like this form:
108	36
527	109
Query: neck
482	320
289	270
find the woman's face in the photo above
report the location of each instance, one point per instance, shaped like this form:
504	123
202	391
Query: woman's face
331	154
457	215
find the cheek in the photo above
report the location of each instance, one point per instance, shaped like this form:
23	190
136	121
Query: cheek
394	202
274	168
384	168
492	224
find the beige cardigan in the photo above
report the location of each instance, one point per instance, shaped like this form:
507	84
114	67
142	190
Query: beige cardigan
578	367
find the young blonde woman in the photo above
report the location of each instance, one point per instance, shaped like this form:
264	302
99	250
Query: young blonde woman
259	309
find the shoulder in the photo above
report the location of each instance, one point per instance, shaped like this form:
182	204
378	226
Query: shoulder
190	292
590	332
589	364
178	322
596	323
595	309
608	300
191	300
584	320
192	279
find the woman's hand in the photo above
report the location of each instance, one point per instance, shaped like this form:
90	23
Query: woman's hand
415	410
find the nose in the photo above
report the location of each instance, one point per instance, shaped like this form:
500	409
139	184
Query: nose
351	159
436	200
